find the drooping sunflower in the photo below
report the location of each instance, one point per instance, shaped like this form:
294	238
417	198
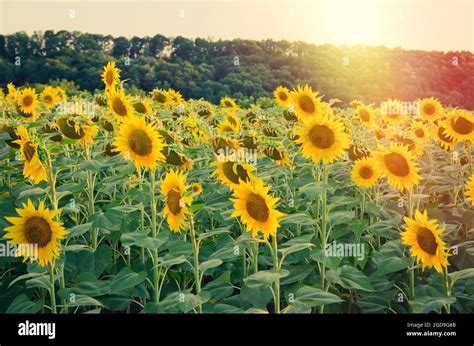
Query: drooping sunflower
120	104
223	144
33	167
111	75
280	156
173	189
61	94
398	165
49	97
140	142
78	128
12	92
232	173
256	208
365	172
439	134
142	106
366	116
226	127
282	96
162	97
419	132
414	146
459	126
232	118
470	190
306	103
37	228
228	103
27	100
430	109
322	139
174	158
175	96
424	238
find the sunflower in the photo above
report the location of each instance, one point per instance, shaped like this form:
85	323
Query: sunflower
80	129
429	109
120	104
280	156
233	119
49	97
366	116
36	227
414	146
393	112
162	97
139	142
33	168
27	100
459	126
173	189
282	96
142	106
61	94
470	190
175	96
12	92
174	158
424	238
226	127
419	132
111	75
398	165
322	138
439	134
365	172
305	102
228	103
223	144
256	208
196	188
232	173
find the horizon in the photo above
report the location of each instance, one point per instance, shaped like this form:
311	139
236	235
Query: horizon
404	24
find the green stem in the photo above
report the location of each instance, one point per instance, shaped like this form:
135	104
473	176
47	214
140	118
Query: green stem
324	222
255	257
447	289
62	285
197	277
52	290
411	295
276	268
156	274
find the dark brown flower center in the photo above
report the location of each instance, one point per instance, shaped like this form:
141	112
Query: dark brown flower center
173	200
29	151
27	100
429	109
366	172
462	126
257	207
119	107
235	172
37	231
420	133
109	77
396	164
306	104
426	240
321	136
283	96
228	104
140	143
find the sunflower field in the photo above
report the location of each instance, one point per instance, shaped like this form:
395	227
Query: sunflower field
148	203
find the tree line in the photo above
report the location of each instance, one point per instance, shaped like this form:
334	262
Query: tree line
242	69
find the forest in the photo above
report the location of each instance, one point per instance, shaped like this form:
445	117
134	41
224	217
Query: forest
242	69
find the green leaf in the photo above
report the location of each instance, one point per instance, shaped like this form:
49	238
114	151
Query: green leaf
79	230
350	278
83	300
172	261
22	305
464	274
126	279
213	233
209	264
313	297
428	304
140	239
298	218
264	277
295	248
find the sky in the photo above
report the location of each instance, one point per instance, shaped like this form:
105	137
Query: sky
441	25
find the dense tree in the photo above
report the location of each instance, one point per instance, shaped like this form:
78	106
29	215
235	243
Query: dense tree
239	68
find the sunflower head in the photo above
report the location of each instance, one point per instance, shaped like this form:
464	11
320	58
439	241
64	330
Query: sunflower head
306	103
38	228
228	103
162	97
429	109
398	165
365	172
27	100
111	75
366	115
323	139
142	106
29	153
232	173
49	97
459	126
424	238
140	143
256	208
120	104
282	96
443	140
173	189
